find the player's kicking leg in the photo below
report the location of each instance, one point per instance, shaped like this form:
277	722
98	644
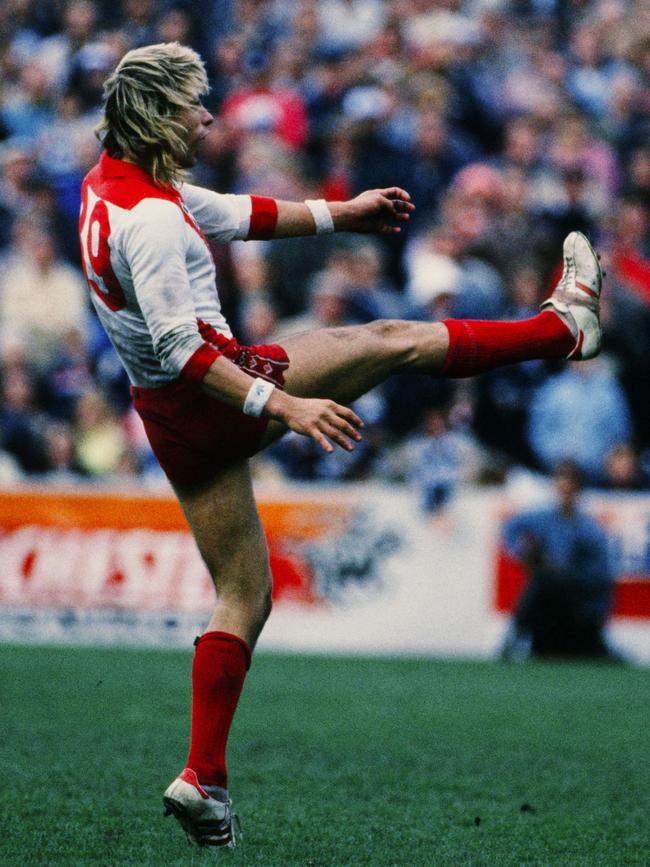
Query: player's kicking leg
224	520
344	363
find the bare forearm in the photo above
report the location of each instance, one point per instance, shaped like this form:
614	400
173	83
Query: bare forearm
373	211
226	382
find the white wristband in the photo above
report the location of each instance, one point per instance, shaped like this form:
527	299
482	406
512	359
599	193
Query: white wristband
258	394
322	216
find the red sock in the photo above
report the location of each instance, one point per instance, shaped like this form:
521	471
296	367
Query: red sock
220	664
476	345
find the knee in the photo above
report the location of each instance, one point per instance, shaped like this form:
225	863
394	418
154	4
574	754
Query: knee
394	339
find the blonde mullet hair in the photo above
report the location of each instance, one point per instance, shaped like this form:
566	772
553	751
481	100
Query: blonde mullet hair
145	98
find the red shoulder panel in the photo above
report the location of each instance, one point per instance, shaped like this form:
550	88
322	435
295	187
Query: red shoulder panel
124	184
126	192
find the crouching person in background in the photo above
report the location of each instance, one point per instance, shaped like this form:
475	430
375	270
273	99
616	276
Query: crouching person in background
565	603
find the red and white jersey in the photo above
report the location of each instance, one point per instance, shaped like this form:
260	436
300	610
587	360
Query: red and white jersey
150	270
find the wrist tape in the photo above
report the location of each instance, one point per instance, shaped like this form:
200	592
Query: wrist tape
322	216
257	397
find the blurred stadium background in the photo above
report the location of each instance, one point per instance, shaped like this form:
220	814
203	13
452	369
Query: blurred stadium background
510	122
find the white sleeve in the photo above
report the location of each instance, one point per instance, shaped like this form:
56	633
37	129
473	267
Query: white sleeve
153	241
221	217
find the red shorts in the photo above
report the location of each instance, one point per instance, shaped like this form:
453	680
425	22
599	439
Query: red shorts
193	434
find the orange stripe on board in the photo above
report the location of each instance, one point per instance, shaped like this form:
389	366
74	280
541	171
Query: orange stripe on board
297	519
89	511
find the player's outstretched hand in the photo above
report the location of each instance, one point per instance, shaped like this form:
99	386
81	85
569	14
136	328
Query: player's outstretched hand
323	420
373	211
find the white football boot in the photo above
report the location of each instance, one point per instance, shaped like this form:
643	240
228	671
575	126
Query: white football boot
205	820
576	298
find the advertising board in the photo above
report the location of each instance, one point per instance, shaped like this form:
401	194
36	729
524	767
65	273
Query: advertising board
357	568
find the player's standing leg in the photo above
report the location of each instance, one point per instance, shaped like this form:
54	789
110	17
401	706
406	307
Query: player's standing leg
224	521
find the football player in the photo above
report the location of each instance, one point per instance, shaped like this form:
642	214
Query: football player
209	403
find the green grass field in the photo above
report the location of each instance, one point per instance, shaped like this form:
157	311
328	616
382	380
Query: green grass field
332	762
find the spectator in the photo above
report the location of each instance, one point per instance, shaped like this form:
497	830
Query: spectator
67	377
567	598
88	69
176	25
624	470
258	320
631	247
41	298
576	153
522	146
438	459
350	289
100	439
140	18
28	111
370	296
328	301
626	322
18	167
570	210
476	286
579	415
260	105
22	425
56	52
348	24
62	467
436	155
589	77
60	144
517	238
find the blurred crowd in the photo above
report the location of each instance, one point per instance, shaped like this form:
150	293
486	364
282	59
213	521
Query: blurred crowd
510	122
